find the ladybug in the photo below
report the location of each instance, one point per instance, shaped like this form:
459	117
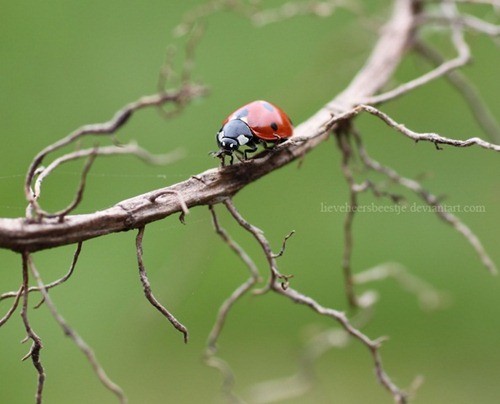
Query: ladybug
258	122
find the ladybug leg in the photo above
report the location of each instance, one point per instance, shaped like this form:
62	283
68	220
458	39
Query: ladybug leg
239	155
252	148
272	145
268	146
223	159
220	155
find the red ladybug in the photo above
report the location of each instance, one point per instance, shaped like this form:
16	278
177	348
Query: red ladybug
258	122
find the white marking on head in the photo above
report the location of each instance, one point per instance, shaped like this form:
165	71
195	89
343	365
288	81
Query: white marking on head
221	135
242	139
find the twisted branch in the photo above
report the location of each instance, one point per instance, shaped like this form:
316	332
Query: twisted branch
36	346
107	128
211	351
148	292
297	297
213	185
457	37
75	337
48	286
430	200
13	308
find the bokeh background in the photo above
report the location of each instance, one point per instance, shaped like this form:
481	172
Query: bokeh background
64	64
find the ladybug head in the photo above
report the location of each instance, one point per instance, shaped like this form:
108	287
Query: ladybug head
233	134
228	144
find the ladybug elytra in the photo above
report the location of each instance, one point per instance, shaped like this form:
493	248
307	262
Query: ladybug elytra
258	122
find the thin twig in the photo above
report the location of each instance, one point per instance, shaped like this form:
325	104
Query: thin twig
168	74
51	285
227	376
210	353
180	198
34	206
283	245
481	26
199	14
428	137
297	297
64	278
111	126
192	43
91	154
79	193
131	148
479	109
349	219
36	345
431	200
302	381
428	297
354	189
292	9
494	3
466	20
224	310
167	71
373	346
463	57
240	291
148	292
71	333
260	16
340	116
259	235
13	308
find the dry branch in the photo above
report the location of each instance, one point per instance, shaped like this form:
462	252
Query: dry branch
428	297
48	286
120	118
17	295
240	291
149	293
430	200
75	337
463	57
131	148
429	137
214	185
469	93
36	346
295	386
211	350
349	218
276	284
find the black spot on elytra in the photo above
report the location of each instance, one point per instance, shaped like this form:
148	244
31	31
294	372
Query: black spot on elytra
274	126
268	106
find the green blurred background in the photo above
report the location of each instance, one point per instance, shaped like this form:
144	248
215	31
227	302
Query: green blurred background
66	63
